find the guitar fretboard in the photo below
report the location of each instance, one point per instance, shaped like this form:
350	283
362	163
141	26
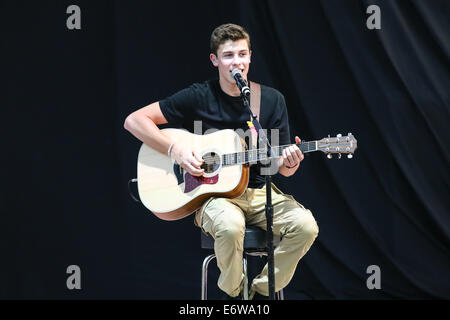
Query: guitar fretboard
261	154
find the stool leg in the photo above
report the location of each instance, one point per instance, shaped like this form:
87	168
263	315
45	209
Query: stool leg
245	289
206	262
280	295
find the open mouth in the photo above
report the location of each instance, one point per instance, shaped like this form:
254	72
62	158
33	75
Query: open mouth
242	71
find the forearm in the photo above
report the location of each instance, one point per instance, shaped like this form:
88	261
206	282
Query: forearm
148	132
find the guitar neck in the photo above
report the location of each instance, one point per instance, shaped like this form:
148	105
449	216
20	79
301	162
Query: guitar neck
262	154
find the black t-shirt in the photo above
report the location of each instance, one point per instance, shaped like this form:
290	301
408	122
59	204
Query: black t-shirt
217	110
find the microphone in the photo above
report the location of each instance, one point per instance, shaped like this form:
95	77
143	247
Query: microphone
240	81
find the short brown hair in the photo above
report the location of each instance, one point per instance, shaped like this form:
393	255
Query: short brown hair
227	32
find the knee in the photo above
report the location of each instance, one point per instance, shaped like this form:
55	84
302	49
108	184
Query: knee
230	228
311	228
231	232
307	226
224	221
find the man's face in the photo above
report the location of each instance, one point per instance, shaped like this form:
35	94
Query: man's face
230	55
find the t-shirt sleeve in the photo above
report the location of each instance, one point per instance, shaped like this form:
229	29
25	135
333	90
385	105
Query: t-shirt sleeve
179	107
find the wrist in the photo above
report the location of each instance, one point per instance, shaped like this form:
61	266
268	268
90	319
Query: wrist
169	151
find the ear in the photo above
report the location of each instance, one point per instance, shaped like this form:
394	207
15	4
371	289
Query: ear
250	56
213	59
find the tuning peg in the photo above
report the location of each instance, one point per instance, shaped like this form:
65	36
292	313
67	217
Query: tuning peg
349	156
349	134
339	135
329	156
339	155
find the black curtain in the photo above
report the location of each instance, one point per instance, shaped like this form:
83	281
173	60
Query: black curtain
66	158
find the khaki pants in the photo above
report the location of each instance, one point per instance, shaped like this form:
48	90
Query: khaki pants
225	219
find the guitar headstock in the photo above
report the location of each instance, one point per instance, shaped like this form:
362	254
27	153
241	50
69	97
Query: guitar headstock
339	145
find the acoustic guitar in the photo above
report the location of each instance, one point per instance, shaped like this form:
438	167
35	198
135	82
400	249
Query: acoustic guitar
171	193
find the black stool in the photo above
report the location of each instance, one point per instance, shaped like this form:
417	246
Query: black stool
254	245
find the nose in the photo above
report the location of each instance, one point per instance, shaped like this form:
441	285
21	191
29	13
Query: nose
237	61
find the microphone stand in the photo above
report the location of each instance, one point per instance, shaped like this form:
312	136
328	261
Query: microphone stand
269	206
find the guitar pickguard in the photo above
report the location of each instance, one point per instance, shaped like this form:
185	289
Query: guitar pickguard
191	182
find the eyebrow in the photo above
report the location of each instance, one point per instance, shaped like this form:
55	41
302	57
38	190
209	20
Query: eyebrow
240	51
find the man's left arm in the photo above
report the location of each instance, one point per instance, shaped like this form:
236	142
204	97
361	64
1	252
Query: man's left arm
290	160
291	157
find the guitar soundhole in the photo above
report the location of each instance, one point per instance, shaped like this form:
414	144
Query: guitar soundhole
212	162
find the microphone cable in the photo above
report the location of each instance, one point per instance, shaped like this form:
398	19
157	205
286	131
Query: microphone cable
130	192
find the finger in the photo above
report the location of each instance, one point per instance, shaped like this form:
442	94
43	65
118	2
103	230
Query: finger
285	157
298	154
301	156
195	162
283	154
295	151
197	156
289	156
194	171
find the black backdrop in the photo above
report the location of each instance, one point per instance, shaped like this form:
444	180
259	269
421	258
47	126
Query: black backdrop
66	158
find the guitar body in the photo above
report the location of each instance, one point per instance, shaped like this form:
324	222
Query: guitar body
171	193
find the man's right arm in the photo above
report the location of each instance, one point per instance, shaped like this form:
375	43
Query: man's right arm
143	125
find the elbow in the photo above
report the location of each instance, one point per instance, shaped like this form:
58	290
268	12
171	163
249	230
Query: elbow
129	121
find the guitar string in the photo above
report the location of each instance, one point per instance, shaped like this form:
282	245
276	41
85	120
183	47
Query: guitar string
254	155
256	152
251	155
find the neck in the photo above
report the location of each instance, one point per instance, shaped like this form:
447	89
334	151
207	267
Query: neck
261	154
230	89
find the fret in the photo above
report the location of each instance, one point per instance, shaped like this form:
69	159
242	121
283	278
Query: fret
279	151
240	157
261	154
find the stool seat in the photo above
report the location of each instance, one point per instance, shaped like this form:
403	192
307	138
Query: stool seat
254	238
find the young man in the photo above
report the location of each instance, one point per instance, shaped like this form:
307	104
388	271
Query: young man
217	103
